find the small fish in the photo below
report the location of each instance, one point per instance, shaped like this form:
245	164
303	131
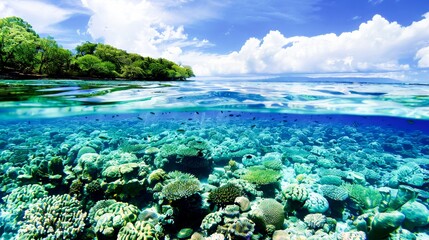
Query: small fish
190	119
152	113
253	126
285	121
97	119
231	115
238	115
410	121
181	130
254	118
140	118
295	120
221	111
197	112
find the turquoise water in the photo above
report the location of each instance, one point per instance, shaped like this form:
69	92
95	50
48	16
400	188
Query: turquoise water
260	159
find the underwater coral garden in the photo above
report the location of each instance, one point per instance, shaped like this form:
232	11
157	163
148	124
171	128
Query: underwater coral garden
211	175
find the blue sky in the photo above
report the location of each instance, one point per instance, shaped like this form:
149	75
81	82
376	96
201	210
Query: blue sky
381	38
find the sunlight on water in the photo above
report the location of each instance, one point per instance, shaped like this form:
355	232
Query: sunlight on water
67	98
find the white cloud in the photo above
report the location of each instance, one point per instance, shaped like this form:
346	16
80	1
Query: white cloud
378	45
41	15
143	26
423	56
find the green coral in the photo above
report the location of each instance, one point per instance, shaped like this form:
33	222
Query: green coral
365	197
225	194
53	217
261	176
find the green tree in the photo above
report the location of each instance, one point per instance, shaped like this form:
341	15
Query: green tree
53	60
18	44
86	48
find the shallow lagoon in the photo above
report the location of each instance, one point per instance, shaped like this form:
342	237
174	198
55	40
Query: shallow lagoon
234	159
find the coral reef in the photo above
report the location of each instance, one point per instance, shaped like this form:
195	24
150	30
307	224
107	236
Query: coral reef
181	188
53	217
225	194
261	176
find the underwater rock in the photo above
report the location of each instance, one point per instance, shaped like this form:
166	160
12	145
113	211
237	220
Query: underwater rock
416	215
184	233
385	223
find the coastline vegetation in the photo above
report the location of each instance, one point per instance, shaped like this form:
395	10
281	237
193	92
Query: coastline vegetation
24	54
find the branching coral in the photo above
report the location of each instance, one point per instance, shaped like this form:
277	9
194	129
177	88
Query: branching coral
53	217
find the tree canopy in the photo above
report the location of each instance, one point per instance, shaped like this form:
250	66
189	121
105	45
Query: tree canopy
23	51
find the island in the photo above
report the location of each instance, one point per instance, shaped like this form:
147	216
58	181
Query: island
24	54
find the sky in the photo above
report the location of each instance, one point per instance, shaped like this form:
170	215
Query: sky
230	38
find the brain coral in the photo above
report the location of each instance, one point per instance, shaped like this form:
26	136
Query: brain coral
316	203
181	188
53	217
225	194
269	212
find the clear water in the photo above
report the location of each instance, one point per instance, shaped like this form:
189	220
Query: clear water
373	137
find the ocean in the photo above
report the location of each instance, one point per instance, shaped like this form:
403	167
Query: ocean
214	159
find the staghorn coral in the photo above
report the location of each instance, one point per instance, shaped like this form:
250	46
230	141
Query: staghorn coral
225	194
315	220
53	217
261	176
